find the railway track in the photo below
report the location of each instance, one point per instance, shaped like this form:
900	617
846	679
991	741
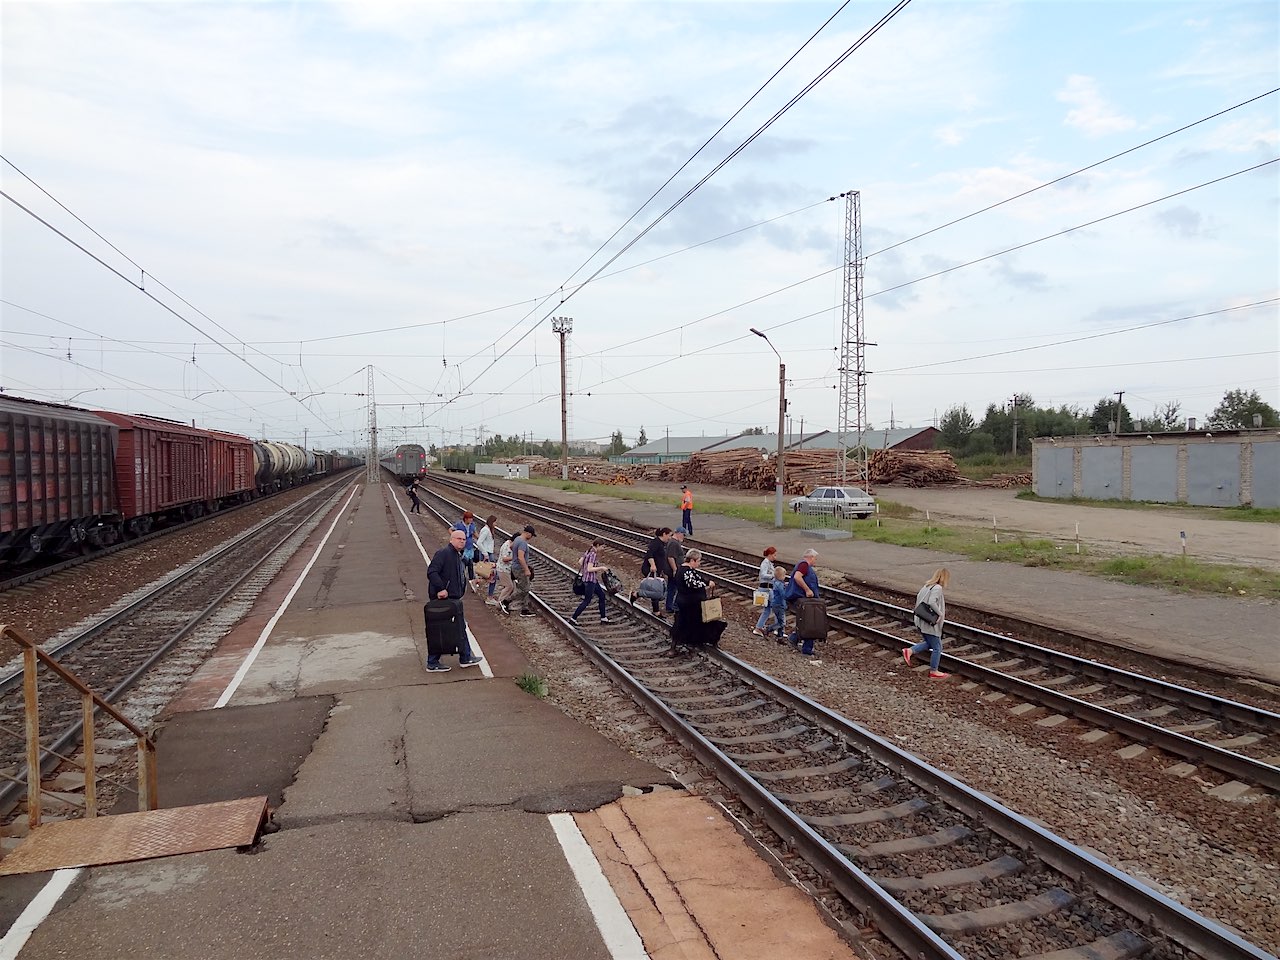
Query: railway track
117	651
47	570
1240	741
939	869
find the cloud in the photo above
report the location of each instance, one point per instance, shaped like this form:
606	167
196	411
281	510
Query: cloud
1183	222
1091	113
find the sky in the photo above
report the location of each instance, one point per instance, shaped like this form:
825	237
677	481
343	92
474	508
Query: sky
230	213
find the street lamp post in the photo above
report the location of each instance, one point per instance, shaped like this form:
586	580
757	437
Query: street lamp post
780	476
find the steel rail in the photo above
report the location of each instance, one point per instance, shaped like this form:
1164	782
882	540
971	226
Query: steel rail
1206	937
39	574
1188	748
71	733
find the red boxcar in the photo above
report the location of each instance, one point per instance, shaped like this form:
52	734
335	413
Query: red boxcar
231	457
56	477
168	467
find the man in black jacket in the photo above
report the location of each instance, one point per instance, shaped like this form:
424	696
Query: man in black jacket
447	579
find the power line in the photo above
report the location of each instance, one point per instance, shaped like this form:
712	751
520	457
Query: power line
141	288
1067	176
875	28
1092	336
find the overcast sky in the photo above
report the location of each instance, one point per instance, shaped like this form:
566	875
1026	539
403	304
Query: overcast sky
313	188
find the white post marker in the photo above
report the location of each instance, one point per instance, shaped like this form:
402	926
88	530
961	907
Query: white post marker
1077	538
615	926
1182	535
993	528
471	637
275	617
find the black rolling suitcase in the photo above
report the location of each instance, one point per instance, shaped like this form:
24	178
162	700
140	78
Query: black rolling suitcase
811	619
444	624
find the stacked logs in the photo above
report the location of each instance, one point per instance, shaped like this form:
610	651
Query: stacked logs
1006	481
749	469
914	468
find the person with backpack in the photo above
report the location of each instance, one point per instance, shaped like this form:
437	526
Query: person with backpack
930	603
590	569
413	488
803	585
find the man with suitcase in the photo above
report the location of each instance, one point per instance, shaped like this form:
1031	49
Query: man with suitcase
811	612
447	582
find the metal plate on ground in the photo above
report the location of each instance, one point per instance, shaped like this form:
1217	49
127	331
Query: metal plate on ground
138	836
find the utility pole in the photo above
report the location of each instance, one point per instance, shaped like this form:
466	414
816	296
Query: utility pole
304	437
668	440
1015	424
1119	407
562	326
371	464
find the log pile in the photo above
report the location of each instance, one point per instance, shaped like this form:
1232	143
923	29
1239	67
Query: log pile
1006	481
584	469
914	468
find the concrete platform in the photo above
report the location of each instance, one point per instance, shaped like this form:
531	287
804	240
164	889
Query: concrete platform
1236	636
413	808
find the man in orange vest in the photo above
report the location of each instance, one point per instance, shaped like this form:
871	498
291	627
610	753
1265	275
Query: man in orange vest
686	511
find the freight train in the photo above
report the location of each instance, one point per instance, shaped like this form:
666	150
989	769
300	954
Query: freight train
407	461
75	480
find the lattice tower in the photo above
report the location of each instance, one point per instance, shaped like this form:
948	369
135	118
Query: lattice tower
852	414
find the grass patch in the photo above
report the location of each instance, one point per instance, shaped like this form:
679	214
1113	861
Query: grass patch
984	466
1193	576
532	684
1248	514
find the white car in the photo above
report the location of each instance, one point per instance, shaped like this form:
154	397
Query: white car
840	502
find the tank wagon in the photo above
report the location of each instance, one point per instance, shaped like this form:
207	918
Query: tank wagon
408	460
74	480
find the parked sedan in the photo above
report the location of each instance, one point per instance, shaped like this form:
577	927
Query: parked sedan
837	501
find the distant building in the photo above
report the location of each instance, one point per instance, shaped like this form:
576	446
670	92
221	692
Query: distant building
1214	468
588	447
900	438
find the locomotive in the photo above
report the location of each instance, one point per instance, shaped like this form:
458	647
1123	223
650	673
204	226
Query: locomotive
407	461
74	480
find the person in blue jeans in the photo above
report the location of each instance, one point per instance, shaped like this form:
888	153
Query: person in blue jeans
931	633
776	607
590	568
446	578
803	583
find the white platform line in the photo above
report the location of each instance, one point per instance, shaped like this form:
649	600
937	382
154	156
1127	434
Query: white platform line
471	637
275	618
615	926
39	908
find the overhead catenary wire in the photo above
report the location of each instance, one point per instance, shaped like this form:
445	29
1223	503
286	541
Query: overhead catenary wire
870	32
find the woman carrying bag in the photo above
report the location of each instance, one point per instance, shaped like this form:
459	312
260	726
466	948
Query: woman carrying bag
931	611
484	554
654	564
692	626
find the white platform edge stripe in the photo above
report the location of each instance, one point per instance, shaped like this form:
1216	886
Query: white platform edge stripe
44	902
275	618
471	637
39	908
616	929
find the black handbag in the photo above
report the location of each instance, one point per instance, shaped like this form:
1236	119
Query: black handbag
579	585
926	613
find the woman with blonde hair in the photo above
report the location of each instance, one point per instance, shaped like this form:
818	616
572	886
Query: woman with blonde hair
930	613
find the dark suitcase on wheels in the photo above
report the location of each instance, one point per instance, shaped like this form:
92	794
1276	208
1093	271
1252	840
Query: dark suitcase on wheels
811	619
444	624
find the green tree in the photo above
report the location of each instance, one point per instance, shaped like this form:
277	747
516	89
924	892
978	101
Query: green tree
642	439
955	426
979	443
1236	411
617	446
1164	418
1104	411
997	424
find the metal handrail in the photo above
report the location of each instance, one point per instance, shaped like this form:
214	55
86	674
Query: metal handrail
32	657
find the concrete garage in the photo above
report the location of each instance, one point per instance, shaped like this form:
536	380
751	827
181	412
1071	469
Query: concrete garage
1228	468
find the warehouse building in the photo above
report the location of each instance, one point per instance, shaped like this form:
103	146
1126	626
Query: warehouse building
1219	468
